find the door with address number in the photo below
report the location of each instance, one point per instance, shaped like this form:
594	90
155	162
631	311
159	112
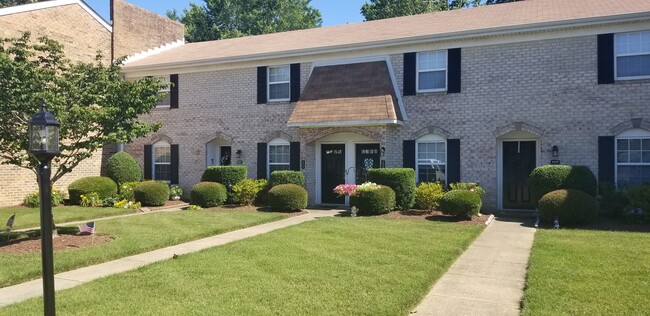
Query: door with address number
367	157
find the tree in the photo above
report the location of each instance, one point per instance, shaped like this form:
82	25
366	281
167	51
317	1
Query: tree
11	3
384	9
91	101
221	19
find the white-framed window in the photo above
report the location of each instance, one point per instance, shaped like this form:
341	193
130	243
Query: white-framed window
632	52
633	158
431	159
165	94
279	155
432	71
162	161
279	82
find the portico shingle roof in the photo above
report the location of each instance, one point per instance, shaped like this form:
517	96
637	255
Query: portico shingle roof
509	17
351	94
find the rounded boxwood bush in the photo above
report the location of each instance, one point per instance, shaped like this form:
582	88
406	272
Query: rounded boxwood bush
208	194
570	206
287	177
105	187
545	179
226	175
122	168
401	180
287	197
375	202
461	203
151	193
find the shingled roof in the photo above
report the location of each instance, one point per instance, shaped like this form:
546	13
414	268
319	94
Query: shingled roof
480	21
351	94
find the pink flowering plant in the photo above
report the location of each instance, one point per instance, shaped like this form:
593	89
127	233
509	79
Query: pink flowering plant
355	190
346	189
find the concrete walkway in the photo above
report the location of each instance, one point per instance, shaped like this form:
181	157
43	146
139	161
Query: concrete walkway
488	278
65	280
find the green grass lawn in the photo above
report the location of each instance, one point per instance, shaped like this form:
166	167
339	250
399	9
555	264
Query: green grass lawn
133	235
582	272
30	217
331	266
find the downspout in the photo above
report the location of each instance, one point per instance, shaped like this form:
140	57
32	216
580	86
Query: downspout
112	8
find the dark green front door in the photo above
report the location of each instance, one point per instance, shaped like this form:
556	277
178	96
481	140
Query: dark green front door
332	172
367	157
519	160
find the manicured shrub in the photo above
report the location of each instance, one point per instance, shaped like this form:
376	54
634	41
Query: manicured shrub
401	180
374	202
287	177
151	193
612	201
175	191
469	186
226	175
287	197
428	194
208	194
105	187
545	179
569	206
461	203
122	168
33	199
638	208
246	191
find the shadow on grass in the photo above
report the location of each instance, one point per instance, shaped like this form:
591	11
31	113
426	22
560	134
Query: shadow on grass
604	224
9	238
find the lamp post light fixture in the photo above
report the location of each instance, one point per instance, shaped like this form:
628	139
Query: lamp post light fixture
555	151
44	145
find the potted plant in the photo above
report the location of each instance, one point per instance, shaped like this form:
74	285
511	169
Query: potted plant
175	192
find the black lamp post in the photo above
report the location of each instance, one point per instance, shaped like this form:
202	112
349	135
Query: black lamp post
44	145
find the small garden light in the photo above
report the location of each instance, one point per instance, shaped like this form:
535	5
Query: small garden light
44	145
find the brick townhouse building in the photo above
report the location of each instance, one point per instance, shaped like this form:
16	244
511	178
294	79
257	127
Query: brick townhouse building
83	33
482	94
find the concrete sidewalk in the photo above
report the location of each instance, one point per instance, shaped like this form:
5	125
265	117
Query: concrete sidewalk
488	278
65	280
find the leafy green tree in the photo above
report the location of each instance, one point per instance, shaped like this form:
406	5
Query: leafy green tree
221	19
90	100
11	3
384	9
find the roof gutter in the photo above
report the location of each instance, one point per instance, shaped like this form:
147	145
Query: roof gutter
463	35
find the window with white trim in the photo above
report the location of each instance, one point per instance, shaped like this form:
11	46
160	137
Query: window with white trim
162	161
432	71
632	55
279	155
279	82
164	94
633	158
431	158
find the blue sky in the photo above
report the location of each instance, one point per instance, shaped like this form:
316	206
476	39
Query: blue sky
334	12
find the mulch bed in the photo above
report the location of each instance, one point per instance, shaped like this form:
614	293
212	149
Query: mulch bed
436	216
64	241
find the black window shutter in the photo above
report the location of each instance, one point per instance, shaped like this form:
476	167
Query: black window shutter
261	85
453	161
294	159
147	162
173	91
261	161
408	154
295	82
409	73
453	70
606	160
605	58
174	164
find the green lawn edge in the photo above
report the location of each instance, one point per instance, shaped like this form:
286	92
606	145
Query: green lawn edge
30	217
331	266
